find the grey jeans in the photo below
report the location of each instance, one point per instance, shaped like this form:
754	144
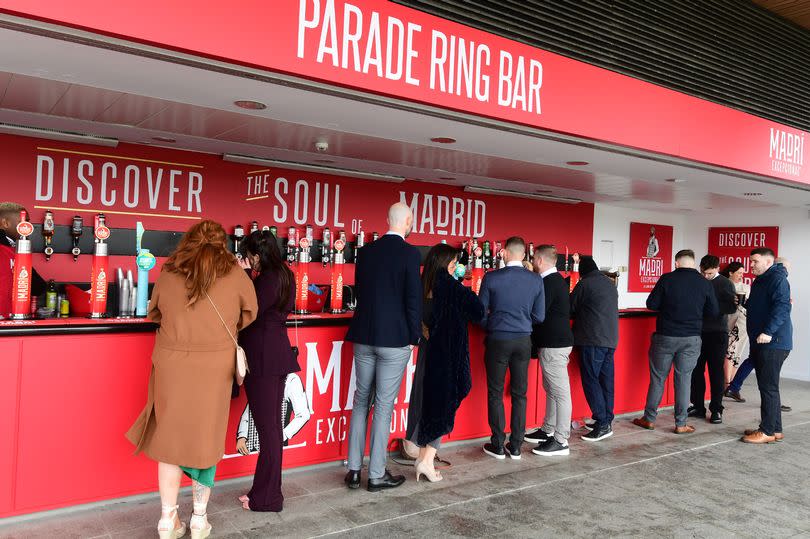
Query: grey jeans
378	372
554	363
666	352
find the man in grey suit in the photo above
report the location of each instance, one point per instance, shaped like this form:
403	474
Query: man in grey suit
385	328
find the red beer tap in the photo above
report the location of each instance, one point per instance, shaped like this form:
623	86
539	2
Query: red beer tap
21	285
336	281
574	275
302	278
98	275
477	270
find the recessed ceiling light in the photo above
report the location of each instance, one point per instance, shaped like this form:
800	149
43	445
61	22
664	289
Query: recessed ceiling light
577	163
250	105
752	194
164	139
443	140
675	180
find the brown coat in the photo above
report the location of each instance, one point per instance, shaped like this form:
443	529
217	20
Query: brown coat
187	407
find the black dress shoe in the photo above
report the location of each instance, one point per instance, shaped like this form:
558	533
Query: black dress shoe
694	412
786	408
716	418
386	481
733	395
352	479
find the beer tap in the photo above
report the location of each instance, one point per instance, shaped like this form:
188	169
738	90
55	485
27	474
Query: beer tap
360	241
487	254
326	247
292	245
530	252
499	263
375	236
76	230
47	234
477	269
336	303
21	283
254	226
302	277
238	236
98	275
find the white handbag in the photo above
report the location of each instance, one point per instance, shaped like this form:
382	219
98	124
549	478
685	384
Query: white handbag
241	358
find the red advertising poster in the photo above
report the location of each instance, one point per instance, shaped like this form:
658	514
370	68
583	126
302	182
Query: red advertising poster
392	50
650	255
734	244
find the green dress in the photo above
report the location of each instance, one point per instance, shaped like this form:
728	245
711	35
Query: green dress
202	476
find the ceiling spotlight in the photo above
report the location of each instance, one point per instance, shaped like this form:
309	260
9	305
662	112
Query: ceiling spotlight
164	139
752	194
577	163
443	140
250	105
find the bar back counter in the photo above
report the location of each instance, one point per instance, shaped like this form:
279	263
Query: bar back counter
70	388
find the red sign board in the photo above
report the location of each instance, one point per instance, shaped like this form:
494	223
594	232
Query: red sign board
650	255
734	244
381	47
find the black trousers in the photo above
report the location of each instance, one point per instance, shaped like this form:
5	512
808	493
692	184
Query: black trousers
713	349
500	355
768	366
265	395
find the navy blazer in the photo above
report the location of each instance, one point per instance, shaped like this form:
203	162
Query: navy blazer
265	341
389	294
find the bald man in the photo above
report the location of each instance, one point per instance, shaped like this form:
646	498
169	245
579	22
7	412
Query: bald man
386	326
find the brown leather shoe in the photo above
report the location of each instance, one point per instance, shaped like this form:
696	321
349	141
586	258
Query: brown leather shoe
758	437
778	436
643	423
686	429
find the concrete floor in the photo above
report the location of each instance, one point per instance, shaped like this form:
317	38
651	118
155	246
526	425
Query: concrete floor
635	484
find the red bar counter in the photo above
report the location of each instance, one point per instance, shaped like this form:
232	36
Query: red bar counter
70	388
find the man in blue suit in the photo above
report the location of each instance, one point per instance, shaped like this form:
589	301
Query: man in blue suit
385	328
513	299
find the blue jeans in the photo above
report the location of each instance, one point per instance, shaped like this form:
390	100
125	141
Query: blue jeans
742	373
596	367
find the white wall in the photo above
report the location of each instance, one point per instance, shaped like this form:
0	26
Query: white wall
612	224
794	244
690	231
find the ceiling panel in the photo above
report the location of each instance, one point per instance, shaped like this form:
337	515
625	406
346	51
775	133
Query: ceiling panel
216	122
796	11
174	118
33	94
84	102
5	78
132	109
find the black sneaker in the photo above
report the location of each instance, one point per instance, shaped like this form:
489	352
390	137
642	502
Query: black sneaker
494	451
552	448
786	408
513	452
694	412
538	436
590	426
716	418
598	434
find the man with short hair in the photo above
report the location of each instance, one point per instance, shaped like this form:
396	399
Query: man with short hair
771	333
714	344
553	340
683	299
747	366
9	219
385	327
513	300
595	310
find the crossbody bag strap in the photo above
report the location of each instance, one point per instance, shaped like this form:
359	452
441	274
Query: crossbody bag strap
222	320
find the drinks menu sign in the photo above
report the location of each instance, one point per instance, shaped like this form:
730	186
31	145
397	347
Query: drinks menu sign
734	244
650	255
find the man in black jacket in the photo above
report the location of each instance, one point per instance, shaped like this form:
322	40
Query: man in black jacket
595	310
714	344
553	340
385	328
683	298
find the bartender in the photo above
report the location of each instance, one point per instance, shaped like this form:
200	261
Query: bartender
9	219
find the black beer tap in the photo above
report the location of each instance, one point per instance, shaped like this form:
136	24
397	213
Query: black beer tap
47	234
76	230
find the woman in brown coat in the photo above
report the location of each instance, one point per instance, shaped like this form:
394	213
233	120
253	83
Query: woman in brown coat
183	424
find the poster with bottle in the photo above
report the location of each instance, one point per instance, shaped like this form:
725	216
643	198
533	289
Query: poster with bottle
650	255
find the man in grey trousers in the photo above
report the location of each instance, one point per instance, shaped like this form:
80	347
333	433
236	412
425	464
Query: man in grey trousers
683	298
385	328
